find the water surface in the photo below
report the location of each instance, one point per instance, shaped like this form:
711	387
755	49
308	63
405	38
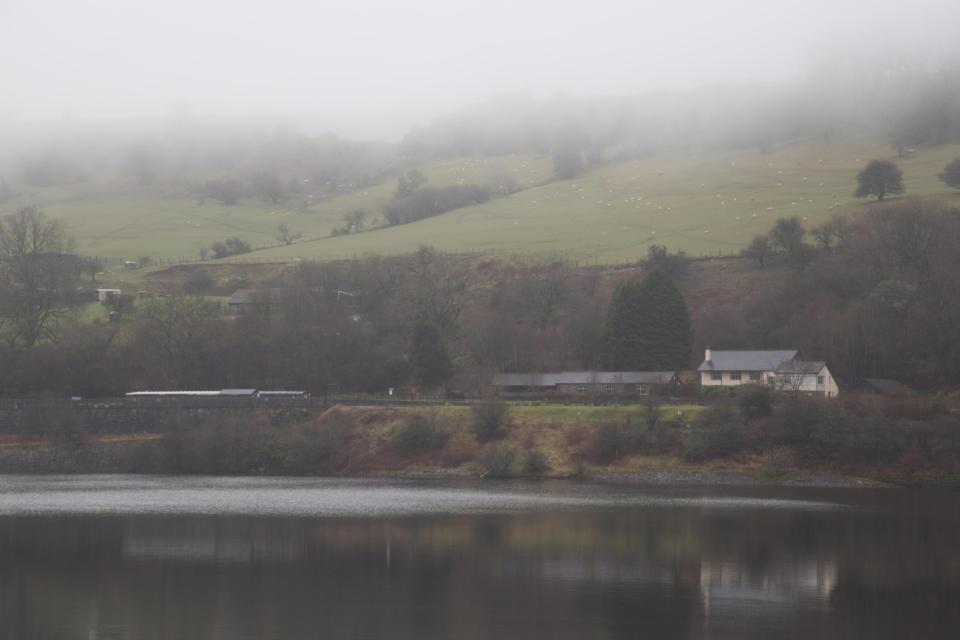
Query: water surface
183	558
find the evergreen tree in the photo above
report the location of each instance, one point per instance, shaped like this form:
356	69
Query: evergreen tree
621	345
430	362
647	327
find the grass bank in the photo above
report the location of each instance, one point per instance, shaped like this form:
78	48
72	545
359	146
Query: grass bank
612	443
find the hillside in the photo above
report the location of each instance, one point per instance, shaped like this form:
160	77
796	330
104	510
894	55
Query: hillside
124	221
705	205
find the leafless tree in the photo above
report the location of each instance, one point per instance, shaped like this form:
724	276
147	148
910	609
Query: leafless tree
38	275
544	290
286	236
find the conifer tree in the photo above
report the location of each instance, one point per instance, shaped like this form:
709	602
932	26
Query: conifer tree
667	337
647	327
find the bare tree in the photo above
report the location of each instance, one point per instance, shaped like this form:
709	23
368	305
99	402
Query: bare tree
544	290
436	288
38	275
286	236
790	376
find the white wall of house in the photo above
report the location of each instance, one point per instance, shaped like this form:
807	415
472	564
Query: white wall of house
734	378
821	383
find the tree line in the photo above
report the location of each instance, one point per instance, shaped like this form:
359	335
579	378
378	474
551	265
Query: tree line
875	293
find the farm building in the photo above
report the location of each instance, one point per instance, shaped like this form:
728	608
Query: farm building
584	383
782	369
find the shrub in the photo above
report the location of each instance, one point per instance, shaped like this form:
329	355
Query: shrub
535	463
498	459
199	281
776	463
717	433
490	419
61	423
433	201
755	401
230	247
606	444
419	434
312	449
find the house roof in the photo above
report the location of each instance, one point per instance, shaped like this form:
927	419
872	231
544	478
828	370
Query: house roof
888	387
801	366
582	377
746	360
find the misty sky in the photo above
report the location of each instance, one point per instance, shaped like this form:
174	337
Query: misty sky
371	68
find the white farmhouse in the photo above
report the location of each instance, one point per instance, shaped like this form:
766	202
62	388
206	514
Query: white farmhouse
781	369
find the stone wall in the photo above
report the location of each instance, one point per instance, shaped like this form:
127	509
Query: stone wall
39	417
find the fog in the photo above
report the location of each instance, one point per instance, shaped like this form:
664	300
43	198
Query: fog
373	69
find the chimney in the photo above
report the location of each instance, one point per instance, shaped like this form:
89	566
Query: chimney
706	354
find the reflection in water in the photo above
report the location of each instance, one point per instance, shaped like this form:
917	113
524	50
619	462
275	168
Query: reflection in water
884	566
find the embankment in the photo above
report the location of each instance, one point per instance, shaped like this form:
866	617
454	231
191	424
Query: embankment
574	442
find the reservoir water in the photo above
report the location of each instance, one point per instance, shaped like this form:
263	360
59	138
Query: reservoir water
107	557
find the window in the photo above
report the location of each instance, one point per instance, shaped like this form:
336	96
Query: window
608	388
581	388
819	379
642	390
734	375
716	375
756	376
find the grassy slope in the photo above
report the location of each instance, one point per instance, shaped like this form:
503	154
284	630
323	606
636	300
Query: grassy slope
707	204
124	222
704	204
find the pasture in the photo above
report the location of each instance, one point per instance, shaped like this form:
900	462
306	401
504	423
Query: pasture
710	204
704	204
123	222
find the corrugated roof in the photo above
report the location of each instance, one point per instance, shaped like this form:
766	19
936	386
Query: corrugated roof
582	377
524	380
237	392
172	393
746	360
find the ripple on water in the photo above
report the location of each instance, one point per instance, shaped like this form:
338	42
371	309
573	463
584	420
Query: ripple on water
24	495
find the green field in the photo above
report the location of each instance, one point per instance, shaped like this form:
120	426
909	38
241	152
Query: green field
704	204
123	222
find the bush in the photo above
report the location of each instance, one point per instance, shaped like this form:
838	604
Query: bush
225	444
535	463
312	449
419	434
199	281
755	401
429	202
61	423
230	247
606	444
490	419
717	433
498	459
776	463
